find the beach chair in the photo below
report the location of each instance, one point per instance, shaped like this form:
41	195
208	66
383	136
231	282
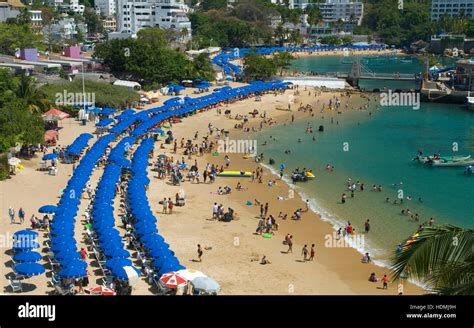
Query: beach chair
16	285
53	262
61	291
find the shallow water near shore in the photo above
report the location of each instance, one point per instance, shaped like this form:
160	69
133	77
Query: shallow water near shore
381	148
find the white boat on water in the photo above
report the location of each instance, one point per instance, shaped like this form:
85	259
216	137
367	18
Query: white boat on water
470	102
444	162
429	159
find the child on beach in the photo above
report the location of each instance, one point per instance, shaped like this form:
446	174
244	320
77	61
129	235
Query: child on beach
385	281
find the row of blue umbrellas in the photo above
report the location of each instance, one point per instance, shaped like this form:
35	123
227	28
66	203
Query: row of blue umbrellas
63	243
79	144
170	110
164	259
223	58
109	238
24	241
117	154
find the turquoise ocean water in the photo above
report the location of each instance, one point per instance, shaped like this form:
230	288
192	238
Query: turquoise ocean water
381	148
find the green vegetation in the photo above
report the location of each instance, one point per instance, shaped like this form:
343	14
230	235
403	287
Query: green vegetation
382	18
282	60
442	256
14	36
147	60
18	122
106	94
258	67
244	25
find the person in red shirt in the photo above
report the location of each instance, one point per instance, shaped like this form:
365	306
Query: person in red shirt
83	254
385	281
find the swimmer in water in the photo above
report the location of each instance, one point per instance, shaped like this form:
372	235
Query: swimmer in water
299	140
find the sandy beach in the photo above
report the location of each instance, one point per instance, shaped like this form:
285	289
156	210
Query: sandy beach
232	251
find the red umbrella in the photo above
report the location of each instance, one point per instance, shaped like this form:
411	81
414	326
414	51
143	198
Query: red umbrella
54	115
173	280
101	290
176	120
50	135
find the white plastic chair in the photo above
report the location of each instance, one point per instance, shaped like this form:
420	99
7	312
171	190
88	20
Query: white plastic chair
16	285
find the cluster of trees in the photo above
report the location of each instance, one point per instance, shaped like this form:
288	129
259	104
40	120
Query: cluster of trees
148	60
15	34
384	19
244	25
20	106
258	67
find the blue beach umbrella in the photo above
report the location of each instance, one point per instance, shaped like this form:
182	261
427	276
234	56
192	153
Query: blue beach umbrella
145	230
49	156
24	245
117	262
124	273
63	240
116	253
28	256
72	272
67	263
25	234
67	247
29	269
49	209
67	255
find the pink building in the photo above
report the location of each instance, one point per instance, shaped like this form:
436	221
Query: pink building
73	52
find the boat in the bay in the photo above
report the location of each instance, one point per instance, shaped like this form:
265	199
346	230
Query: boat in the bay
302	176
470	103
429	159
450	162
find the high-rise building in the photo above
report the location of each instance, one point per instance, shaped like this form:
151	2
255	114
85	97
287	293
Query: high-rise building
345	10
452	8
133	15
107	7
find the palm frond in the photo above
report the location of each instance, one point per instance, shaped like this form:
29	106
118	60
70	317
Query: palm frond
437	256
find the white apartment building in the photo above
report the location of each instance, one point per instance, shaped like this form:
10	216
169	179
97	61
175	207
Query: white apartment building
36	20
133	15
107	7
292	4
452	8
76	7
334	10
55	3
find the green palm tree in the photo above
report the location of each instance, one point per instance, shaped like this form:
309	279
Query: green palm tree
35	99
442	257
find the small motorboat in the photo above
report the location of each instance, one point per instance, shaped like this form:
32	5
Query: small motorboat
450	162
428	159
470	103
302	176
